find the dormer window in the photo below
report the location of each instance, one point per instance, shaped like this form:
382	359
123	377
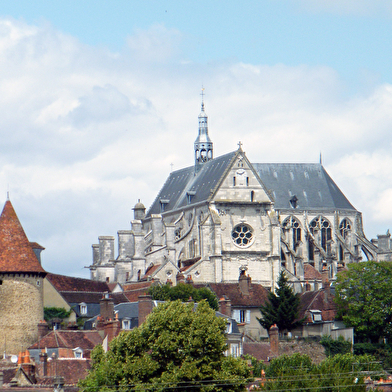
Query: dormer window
163	203
126	324
189	196
316	316
78	352
293	201
83	308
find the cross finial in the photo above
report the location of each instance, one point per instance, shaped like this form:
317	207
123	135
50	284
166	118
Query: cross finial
202	98
240	145
171	167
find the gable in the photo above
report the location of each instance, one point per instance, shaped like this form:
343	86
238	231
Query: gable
241	183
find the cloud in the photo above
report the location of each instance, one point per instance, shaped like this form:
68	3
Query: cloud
85	132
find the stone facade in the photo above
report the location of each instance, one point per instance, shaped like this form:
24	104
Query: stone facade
225	215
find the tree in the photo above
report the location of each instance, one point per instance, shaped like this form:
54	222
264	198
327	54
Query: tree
183	292
281	308
342	372
364	299
177	348
53	313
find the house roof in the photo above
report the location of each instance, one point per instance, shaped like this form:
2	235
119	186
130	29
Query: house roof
200	184
77	297
259	350
69	283
16	253
321	300
86	340
133	290
309	182
311	273
257	294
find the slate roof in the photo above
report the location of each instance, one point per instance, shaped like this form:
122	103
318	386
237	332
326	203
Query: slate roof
16	253
69	283
309	182
182	181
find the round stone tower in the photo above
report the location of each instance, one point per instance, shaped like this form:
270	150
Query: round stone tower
21	285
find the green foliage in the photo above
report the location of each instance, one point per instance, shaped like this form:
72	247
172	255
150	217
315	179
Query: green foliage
53	312
281	308
333	347
364	299
380	351
256	365
342	372
177	348
183	292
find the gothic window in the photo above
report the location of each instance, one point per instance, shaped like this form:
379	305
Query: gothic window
242	235
344	228
321	230
177	233
192	250
292	230
252	196
233	181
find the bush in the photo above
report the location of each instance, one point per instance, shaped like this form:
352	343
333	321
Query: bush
333	347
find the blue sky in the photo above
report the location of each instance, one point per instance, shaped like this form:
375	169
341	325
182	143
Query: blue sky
99	99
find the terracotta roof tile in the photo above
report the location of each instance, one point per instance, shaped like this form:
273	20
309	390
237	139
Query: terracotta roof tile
318	300
259	350
151	269
77	297
16	253
133	290
311	273
257	293
69	283
86	340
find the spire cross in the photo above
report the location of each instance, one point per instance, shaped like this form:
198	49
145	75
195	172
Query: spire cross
240	145
202	94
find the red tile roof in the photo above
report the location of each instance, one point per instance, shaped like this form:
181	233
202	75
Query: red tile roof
311	273
69	283
257	294
16	253
133	290
86	340
318	300
258	350
91	297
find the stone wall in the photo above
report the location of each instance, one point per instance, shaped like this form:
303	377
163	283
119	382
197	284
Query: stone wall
313	349
21	309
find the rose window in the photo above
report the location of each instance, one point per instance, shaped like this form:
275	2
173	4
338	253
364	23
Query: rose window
242	235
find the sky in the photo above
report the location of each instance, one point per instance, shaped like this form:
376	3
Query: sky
99	101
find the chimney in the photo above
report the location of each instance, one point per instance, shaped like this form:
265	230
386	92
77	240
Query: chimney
43	358
244	283
106	306
274	340
1	378
189	279
307	286
42	329
145	308
225	306
327	291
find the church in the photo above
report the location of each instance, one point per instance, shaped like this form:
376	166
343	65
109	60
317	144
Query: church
226	217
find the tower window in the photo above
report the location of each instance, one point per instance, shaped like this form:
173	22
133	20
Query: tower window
233	181
252	196
247	181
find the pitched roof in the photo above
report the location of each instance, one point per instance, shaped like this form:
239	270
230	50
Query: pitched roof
257	294
186	180
310	272
16	253
77	297
318	300
133	290
309	182
86	340
69	283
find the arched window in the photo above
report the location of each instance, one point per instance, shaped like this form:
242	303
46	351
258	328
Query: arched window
344	230
292	230
321	230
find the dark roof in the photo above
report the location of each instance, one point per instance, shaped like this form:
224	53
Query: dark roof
69	283
186	180
91	297
127	310
16	253
257	294
86	340
258	350
309	182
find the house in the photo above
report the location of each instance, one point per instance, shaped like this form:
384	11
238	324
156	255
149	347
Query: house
244	299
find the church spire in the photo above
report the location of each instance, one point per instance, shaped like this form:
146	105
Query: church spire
203	143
